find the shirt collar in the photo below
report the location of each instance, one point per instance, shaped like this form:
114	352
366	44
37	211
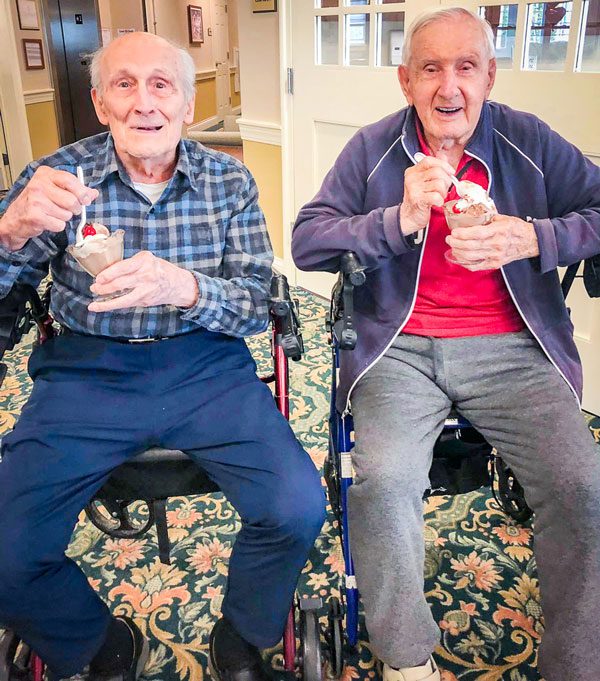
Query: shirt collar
107	162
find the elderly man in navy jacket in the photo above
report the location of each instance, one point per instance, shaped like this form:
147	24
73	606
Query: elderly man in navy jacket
491	336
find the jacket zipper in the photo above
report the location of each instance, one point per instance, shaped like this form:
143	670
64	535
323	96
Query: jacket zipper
414	300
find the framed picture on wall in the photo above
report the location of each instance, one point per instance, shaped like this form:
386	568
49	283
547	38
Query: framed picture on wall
34	54
195	25
28	18
260	6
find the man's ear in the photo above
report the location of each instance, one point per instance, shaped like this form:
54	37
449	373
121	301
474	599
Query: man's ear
188	119
99	106
404	78
491	76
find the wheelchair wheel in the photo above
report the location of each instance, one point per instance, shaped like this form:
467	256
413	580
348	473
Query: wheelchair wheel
117	519
310	646
509	494
335	638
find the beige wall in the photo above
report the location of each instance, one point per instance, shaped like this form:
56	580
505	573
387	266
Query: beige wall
259	64
43	128
38	79
264	162
206	100
236	98
115	14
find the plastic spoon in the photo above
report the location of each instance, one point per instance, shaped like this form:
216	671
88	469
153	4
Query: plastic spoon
82	221
455	181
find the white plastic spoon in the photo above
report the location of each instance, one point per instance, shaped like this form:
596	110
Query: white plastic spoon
82	221
455	181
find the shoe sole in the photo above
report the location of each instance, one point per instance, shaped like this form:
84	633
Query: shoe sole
215	676
143	658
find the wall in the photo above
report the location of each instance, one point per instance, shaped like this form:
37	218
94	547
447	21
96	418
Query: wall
260	124
37	91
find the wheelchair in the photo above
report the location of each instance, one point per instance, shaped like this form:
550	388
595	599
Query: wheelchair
463	460
157	474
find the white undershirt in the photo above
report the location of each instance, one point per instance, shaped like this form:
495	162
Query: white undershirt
151	191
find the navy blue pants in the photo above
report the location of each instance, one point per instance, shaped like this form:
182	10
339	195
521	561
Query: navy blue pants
95	403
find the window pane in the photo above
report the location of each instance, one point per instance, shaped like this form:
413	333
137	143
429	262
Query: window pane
326	3
548	25
589	48
390	37
503	20
389	2
327	40
357	40
357	2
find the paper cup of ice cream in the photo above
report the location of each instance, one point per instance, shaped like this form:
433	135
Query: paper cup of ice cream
96	254
473	215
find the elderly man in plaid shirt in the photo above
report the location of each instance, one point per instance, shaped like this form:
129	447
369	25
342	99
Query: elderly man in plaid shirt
163	364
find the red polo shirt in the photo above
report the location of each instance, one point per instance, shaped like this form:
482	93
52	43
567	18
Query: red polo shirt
451	300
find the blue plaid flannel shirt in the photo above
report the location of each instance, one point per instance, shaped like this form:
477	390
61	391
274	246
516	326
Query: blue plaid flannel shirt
207	221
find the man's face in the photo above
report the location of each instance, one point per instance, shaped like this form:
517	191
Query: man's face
142	99
448	78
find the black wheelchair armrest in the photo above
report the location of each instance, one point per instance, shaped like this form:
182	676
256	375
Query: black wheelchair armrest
20	309
591	276
340	321
283	311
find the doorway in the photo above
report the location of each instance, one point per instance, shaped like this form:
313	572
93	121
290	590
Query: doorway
73	30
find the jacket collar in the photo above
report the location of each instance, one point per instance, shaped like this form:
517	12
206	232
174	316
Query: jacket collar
107	162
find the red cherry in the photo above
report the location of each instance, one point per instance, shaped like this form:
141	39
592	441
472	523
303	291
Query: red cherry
455	209
88	230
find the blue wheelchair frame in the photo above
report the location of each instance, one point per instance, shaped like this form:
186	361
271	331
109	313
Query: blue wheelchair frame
488	469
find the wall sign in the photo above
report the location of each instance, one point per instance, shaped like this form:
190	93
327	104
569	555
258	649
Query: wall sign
260	6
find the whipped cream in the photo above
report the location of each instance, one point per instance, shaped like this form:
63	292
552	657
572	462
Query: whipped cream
93	242
473	194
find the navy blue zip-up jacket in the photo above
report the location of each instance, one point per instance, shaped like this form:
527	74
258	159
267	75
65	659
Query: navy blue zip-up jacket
533	174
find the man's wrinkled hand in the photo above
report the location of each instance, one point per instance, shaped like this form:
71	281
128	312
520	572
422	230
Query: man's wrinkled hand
426	185
487	247
48	201
148	281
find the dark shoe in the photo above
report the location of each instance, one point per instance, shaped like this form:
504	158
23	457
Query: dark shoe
141	650
247	666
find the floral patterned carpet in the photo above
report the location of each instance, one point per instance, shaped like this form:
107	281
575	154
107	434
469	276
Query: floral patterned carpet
480	574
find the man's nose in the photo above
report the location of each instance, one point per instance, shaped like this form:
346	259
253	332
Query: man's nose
448	84
144	102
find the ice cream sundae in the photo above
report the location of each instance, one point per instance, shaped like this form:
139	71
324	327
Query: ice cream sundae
474	207
96	248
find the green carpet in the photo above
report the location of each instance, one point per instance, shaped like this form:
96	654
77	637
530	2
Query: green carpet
481	578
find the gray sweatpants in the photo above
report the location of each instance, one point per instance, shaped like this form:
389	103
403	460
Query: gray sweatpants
509	390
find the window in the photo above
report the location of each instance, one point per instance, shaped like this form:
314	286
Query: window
390	38
547	35
327	30
588	52
357	39
503	20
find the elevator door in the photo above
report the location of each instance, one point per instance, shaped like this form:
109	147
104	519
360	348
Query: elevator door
75	34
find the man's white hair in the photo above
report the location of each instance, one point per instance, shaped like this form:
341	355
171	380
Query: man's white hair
187	69
441	14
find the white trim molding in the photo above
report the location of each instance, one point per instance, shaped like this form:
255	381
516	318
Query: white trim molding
38	96
207	74
259	131
206	123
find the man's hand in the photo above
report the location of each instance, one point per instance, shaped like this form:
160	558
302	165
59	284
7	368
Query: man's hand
148	281
48	202
425	185
491	246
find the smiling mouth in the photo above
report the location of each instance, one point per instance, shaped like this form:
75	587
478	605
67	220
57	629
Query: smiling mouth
448	110
147	128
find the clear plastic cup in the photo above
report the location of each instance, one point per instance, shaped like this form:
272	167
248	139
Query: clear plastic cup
97	255
463	220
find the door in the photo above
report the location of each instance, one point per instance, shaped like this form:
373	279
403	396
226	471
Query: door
5	177
74	33
221	50
344	76
344	55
